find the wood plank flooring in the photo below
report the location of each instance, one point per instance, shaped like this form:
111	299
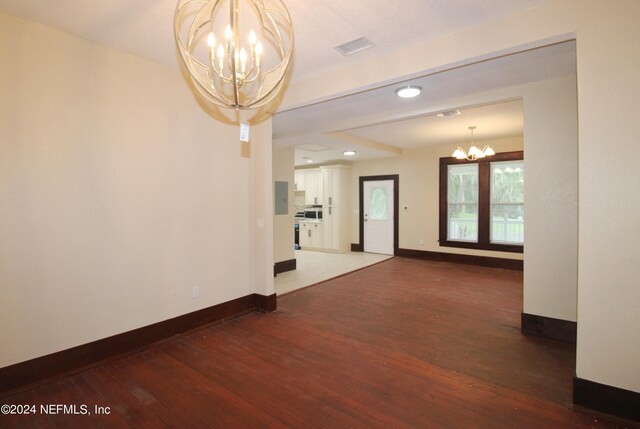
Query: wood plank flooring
402	344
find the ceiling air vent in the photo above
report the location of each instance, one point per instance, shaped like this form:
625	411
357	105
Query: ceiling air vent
448	113
353	46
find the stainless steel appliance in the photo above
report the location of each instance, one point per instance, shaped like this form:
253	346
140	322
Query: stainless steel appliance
313	213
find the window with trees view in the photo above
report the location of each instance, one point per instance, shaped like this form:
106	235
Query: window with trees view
462	200
482	202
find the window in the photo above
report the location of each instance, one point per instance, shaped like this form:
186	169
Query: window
378	206
462	200
482	202
507	202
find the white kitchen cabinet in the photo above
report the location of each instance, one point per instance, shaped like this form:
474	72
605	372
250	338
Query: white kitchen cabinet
331	225
312	186
299	180
336	180
331	184
311	235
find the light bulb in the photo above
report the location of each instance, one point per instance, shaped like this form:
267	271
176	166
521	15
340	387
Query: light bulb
459	154
252	37
227	33
211	41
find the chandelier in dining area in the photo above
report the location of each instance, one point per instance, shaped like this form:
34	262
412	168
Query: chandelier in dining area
237	52
474	153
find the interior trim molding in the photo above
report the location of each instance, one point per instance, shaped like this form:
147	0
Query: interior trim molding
284	266
17	377
482	261
356	247
266	304
484	205
548	327
603	398
396	209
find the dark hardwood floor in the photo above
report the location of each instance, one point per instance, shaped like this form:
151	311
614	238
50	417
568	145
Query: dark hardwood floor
402	344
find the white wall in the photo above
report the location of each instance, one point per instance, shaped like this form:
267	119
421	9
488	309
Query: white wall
117	195
419	183
551	195
283	233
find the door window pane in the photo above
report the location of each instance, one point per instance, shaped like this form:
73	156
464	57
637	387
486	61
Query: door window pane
462	199
378	206
507	202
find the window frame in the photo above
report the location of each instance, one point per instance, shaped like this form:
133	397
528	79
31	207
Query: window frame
484	203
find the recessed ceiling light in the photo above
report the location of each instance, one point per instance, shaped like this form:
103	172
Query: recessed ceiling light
448	113
349	152
309	160
408	91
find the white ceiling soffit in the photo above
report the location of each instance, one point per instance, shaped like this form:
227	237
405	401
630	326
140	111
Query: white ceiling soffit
493	121
333	152
480	91
145	28
439	90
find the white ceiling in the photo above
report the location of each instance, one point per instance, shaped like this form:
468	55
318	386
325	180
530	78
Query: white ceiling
492	121
145	28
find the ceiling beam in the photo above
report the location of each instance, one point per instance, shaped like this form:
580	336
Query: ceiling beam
364	142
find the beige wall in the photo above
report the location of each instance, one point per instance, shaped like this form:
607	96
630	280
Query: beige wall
418	171
551	195
283	234
260	245
608	349
118	195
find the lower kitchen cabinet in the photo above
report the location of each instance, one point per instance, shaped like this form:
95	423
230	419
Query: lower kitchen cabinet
311	235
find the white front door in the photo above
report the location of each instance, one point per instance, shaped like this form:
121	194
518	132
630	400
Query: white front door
378	216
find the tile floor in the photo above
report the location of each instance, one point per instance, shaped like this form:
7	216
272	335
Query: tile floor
315	267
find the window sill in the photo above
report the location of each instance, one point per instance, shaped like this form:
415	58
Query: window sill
513	248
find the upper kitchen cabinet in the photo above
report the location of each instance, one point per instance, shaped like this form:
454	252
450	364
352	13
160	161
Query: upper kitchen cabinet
312	186
299	180
335	184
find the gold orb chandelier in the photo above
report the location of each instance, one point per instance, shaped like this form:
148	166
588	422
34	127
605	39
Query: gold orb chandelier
237	52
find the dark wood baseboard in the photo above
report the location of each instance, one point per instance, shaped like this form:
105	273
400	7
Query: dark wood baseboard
483	261
356	247
620	403
16	377
266	304
284	266
548	327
